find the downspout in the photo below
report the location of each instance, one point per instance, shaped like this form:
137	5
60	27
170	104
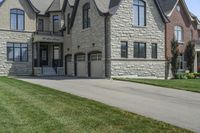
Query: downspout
106	46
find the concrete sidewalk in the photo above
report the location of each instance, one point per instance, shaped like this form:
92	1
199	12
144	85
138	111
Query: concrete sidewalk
180	108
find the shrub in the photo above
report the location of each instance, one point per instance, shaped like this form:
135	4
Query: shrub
181	76
191	76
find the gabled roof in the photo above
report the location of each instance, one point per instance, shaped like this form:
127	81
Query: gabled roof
167	5
29	2
41	5
110	7
56	5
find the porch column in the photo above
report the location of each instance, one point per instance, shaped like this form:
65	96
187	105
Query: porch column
38	54
195	63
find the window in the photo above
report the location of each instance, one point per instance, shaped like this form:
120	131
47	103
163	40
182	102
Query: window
17	52
124	50
139	50
56	52
17	19
154	51
68	23
178	34
178	8
86	16
191	35
139	13
181	62
56	23
40	25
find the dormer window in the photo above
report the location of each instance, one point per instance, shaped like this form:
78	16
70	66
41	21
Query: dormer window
139	13
17	21
86	16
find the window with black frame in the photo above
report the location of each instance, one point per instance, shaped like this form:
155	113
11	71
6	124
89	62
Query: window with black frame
56	24
154	51
139	13
41	25
17	52
17	21
139	50
86	16
124	49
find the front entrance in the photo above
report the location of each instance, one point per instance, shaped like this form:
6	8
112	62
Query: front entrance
44	55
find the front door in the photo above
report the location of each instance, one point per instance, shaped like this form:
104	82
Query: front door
44	56
198	62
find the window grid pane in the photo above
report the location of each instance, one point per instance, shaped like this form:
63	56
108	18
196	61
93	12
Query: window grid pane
124	50
139	50
17	52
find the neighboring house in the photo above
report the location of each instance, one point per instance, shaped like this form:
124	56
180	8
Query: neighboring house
92	38
30	37
183	27
114	38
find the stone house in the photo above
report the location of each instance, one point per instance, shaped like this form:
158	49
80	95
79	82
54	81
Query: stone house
183	27
85	38
114	38
30	37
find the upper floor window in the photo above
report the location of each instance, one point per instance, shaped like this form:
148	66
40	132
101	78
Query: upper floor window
86	16
178	34
56	24
68	23
139	13
17	21
191	35
41	25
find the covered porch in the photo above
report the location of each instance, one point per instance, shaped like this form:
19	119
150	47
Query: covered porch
48	59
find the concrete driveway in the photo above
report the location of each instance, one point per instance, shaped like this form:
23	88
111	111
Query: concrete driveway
180	108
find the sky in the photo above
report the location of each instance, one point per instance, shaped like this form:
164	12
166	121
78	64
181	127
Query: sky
193	5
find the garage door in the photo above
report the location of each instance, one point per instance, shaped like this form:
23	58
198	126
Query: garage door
96	65
69	65
81	66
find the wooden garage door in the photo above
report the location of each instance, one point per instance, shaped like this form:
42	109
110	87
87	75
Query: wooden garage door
81	66
96	68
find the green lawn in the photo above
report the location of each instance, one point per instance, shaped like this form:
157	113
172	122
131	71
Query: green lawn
28	108
187	84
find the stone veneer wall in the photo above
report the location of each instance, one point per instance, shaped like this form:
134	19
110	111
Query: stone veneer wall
89	39
15	68
122	29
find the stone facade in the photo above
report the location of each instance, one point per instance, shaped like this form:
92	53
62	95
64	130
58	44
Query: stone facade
85	40
122	29
15	68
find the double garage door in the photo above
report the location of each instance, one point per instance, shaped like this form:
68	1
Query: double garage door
92	68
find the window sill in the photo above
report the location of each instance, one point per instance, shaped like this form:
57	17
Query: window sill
14	62
86	29
136	26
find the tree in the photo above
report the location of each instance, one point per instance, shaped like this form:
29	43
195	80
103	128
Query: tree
190	53
174	59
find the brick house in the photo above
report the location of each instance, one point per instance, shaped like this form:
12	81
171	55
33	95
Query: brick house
183	27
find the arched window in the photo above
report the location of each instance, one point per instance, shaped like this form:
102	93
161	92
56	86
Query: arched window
178	33
86	16
17	21
139	13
